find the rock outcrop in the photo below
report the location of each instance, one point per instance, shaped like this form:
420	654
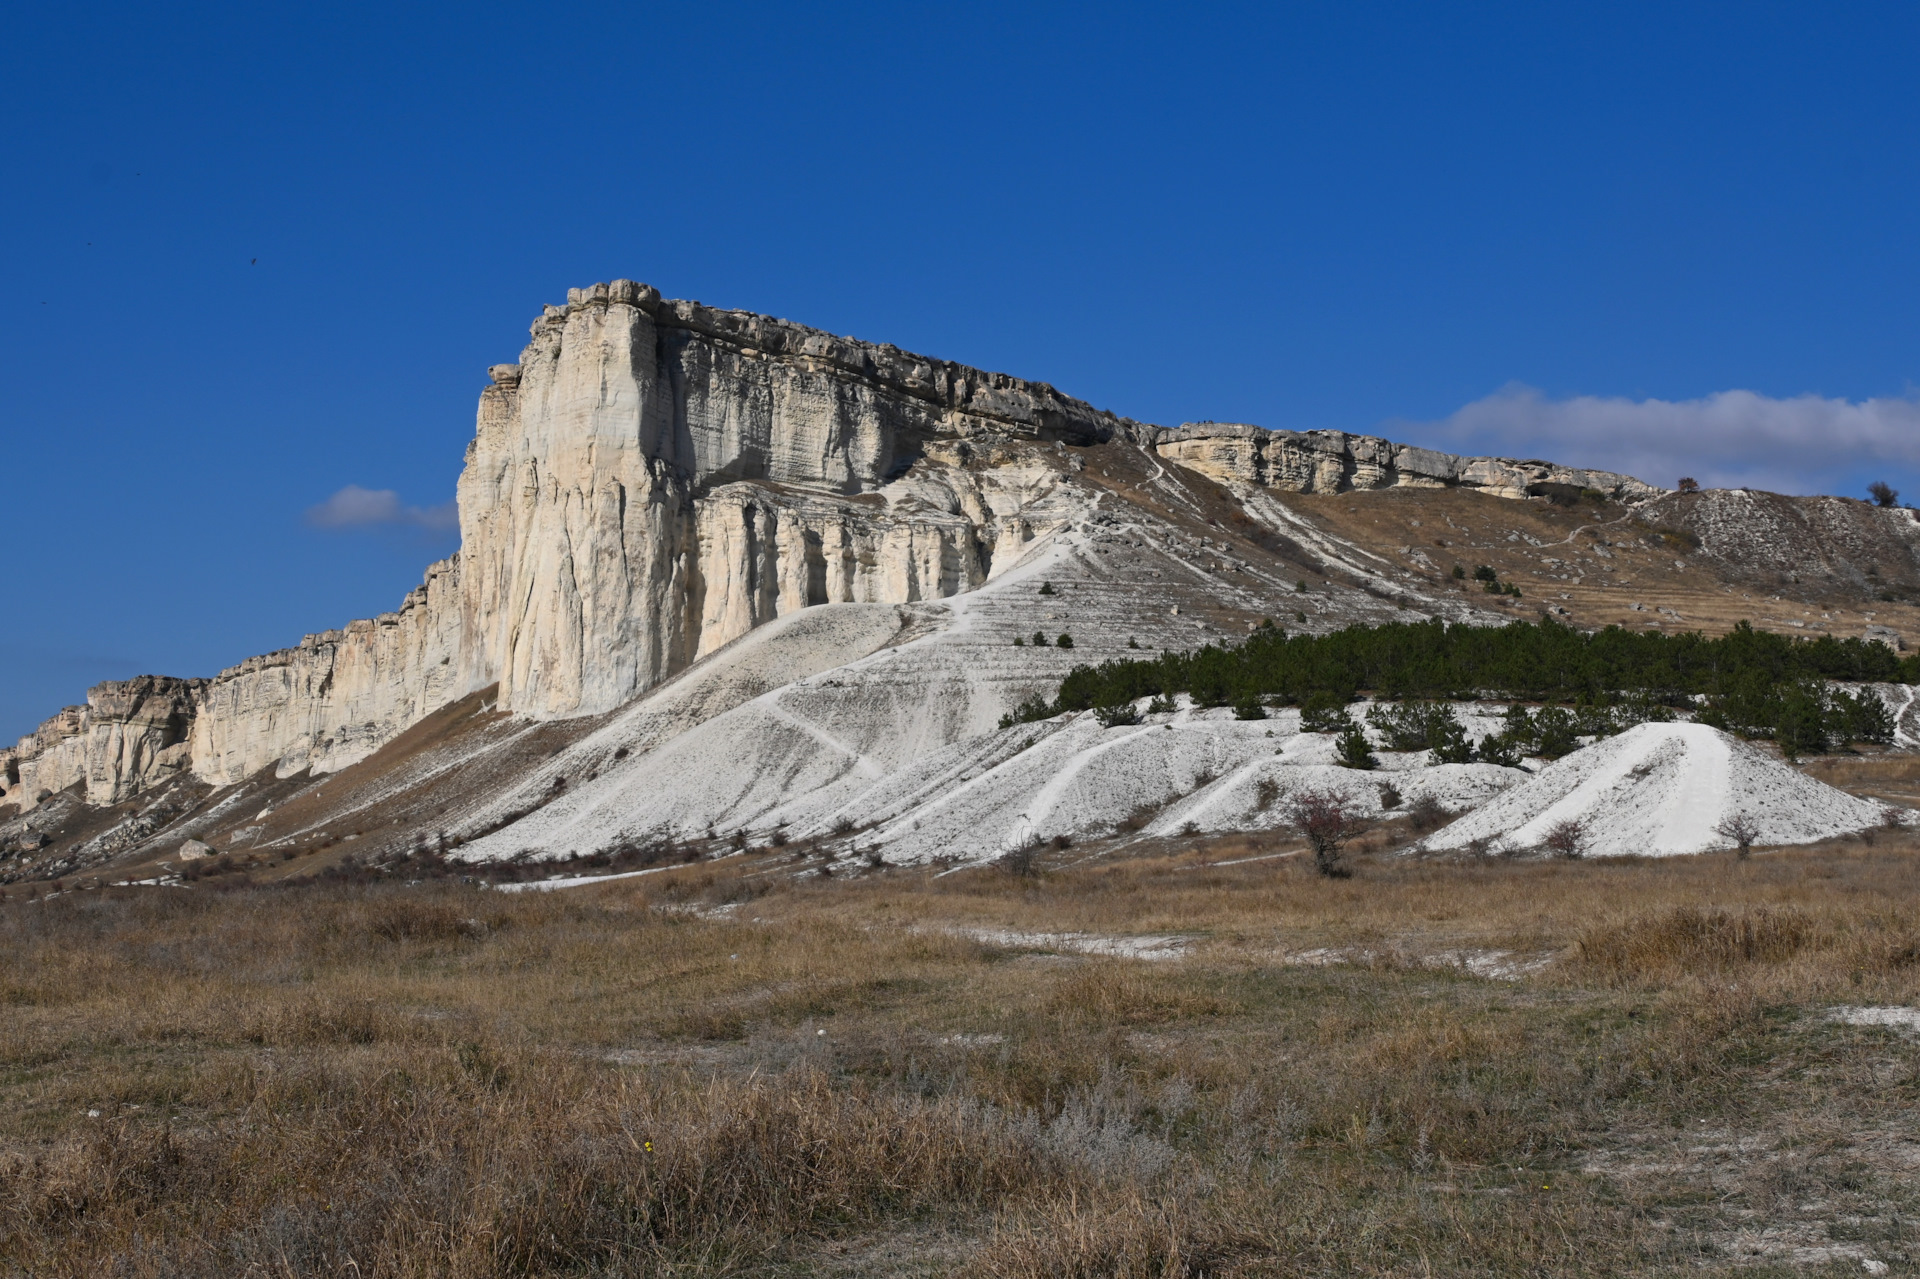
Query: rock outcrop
654	479
337	697
1334	462
130	735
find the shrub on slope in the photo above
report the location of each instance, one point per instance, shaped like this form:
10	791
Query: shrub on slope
1754	683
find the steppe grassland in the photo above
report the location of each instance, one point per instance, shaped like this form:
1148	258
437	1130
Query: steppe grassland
747	1067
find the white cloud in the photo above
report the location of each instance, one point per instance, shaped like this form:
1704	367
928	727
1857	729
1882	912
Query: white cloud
1806	444
355	507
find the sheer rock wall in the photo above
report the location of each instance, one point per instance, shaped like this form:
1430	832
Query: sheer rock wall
337	697
652	480
655	478
130	735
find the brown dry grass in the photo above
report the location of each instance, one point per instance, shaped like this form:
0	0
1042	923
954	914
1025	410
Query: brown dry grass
1470	528
732	1069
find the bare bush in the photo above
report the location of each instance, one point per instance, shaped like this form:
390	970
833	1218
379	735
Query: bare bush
1323	820
1427	813
1567	840
1021	861
1742	830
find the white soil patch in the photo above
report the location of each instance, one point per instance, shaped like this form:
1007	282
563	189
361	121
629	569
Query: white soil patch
1143	946
576	881
1490	965
1895	1017
1659	790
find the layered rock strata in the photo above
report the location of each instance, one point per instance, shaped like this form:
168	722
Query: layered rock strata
1334	462
655	477
340	695
130	735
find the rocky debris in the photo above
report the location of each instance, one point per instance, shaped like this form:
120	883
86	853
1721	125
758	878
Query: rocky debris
194	850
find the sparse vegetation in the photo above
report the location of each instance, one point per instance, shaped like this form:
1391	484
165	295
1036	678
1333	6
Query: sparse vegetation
1681	540
1021	861
1883	494
1567	840
1426	813
1323	819
1742	830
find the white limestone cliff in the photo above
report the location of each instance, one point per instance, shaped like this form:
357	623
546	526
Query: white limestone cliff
339	696
652	480
130	735
1334	462
655	478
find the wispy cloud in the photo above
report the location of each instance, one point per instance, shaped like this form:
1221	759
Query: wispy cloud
1805	444
355	507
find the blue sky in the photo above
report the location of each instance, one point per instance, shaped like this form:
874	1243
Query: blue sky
257	259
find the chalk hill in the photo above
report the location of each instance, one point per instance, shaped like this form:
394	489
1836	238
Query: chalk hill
720	572
1658	790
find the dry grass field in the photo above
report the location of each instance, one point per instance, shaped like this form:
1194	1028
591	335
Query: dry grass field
1202	1060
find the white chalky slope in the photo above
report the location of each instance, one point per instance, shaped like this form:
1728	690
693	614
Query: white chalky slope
1658	790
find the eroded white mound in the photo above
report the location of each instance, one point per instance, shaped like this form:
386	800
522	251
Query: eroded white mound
1197	771
1658	790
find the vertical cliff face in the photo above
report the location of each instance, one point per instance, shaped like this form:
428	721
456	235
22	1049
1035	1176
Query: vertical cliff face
652	480
656	478
339	696
130	735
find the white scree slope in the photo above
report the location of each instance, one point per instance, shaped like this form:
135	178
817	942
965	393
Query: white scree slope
1658	790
